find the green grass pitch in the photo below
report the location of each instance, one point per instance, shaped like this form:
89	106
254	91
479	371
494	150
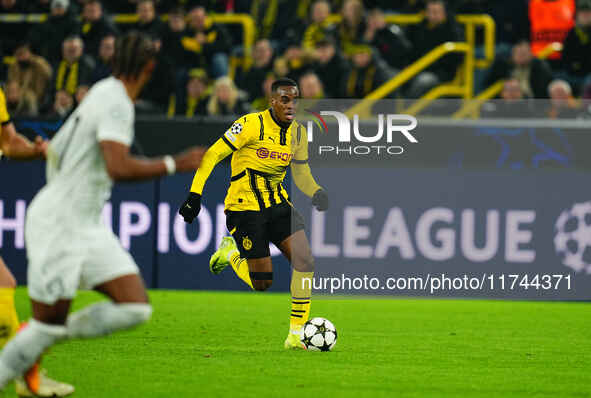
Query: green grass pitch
212	344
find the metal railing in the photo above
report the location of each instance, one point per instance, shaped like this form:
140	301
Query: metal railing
462	85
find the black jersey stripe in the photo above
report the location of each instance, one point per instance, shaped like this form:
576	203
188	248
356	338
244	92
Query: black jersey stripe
283	136
297	161
299	134
7	122
238	176
271	193
232	147
262	135
255	189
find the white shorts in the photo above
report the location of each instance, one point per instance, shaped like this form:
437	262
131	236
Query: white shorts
63	258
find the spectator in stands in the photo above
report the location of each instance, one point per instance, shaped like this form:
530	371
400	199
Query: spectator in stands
319	27
533	74
252	80
156	95
12	7
148	22
12	33
562	103
106	52
95	26
40	6
435	30
512	103
390	41
510	16
352	27
18	102
576	54
311	86
74	69
264	101
48	37
62	105
226	99
121	6
173	33
368	72
32	74
275	20
207	42
196	97
330	67
291	64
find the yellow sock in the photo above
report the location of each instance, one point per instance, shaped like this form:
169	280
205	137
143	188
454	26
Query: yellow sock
8	319
301	292
240	266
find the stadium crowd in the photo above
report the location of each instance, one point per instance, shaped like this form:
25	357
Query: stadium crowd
56	61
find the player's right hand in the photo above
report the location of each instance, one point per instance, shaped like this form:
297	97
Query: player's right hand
191	207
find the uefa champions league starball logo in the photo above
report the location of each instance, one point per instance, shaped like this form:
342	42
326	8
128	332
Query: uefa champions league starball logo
572	239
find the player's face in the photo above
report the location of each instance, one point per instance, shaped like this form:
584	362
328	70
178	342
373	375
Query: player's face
285	102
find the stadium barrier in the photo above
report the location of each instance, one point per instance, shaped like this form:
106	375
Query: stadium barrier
488	199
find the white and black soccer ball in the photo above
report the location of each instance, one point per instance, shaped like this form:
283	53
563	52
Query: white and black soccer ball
319	335
572	239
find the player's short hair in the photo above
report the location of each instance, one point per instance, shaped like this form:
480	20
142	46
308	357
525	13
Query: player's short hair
133	51
283	82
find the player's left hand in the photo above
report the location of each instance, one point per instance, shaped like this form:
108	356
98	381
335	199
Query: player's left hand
320	200
191	207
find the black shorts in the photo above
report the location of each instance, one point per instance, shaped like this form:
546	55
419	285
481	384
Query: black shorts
253	230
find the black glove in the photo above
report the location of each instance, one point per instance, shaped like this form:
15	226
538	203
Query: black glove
191	207
320	200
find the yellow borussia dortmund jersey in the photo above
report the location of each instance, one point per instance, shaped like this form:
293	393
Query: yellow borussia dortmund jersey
4	116
262	152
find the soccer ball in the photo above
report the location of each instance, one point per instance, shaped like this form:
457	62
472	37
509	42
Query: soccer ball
319	335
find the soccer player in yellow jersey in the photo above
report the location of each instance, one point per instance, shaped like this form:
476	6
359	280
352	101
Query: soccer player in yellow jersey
14	145
257	207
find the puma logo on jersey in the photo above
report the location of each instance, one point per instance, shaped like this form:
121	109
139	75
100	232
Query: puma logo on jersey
272	139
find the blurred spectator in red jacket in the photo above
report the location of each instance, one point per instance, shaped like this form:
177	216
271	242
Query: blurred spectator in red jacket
550	21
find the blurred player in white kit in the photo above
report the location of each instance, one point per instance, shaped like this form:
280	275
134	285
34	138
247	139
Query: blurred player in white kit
68	246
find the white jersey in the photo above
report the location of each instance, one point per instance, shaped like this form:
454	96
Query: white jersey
78	184
68	246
